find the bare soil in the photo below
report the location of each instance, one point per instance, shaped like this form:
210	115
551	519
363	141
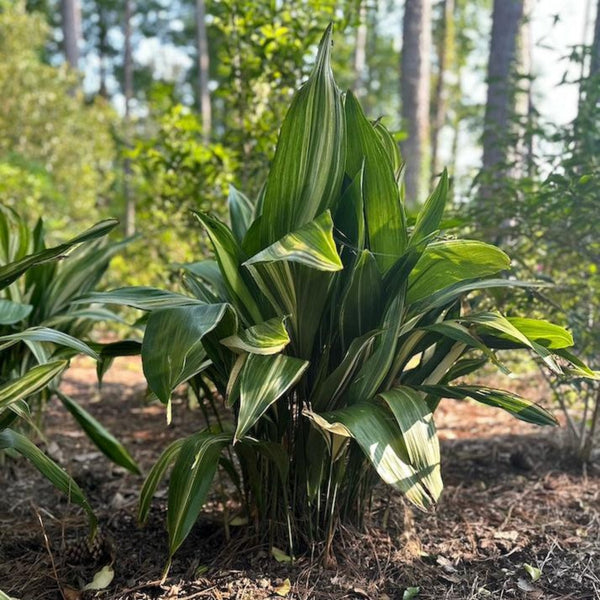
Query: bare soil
513	499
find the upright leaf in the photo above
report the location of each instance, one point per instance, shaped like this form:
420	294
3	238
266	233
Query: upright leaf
191	479
308	167
263	380
384	212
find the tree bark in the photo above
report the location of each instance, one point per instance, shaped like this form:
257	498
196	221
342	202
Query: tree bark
446	53
360	53
203	70
595	61
415	92
128	92
506	20
71	30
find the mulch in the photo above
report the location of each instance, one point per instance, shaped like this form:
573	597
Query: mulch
519	518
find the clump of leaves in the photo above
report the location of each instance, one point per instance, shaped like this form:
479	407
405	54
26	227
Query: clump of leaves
40	331
331	330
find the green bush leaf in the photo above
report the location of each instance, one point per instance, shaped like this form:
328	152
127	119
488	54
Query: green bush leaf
521	408
263	380
308	168
450	262
13	312
384	211
418	430
49	469
172	349
191	479
268	337
140	297
35	380
378	435
104	440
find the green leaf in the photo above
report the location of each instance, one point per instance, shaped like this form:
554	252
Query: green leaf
263	380
11	271
519	407
451	293
229	257
546	334
361	304
208	271
494	321
333	386
312	245
376	432
420	436
450	262
410	593
191	479
430	216
172	349
35	380
459	333
45	334
104	440
240	213
155	476
268	337
49	469
13	312
384	212
140	297
376	368
308	168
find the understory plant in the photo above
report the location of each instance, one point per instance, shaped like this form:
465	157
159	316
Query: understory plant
40	331
330	330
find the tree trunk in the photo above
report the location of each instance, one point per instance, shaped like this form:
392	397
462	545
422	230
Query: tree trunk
71	30
595	62
128	91
102	48
415	90
506	20
524	100
360	53
203	70
446	53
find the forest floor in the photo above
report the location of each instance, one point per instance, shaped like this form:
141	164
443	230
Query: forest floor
513	500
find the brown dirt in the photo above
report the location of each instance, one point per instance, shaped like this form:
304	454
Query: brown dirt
512	498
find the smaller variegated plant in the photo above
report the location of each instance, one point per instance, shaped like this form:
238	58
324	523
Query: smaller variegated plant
40	331
331	329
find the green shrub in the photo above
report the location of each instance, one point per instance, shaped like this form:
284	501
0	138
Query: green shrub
331	331
40	331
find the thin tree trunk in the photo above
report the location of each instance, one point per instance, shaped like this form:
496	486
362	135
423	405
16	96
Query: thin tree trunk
128	90
360	53
415	91
71	30
595	61
506	20
203	70
445	59
524	99
102	48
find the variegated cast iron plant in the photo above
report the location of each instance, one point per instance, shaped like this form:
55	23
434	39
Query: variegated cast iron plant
331	330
